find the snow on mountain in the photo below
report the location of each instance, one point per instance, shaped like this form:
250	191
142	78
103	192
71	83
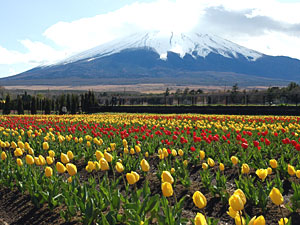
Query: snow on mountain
195	44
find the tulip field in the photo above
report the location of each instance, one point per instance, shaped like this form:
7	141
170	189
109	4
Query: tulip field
155	169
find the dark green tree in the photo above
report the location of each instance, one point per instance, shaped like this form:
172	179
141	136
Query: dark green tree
47	106
33	105
7	105
20	106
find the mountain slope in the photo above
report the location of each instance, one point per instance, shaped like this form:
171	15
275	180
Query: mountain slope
157	58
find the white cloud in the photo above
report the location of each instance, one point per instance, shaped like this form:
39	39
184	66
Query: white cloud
268	26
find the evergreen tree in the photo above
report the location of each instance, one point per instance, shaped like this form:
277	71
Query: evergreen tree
20	107
47	106
33	105
7	105
68	102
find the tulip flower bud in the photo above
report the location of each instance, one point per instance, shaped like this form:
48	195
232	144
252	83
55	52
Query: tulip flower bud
48	171
269	169
60	167
71	168
18	152
283	221
245	168
119	167
19	162
276	196
90	166
238	220
49	160
298	173
70	155
262	173
240	193
51	153
199	200
251	222
260	221
204	166
108	157
291	170
200	219
3	156
104	164
210	162
69	179
273	163
232	213
167	177
221	167
29	159
45	146
99	155
202	154
64	158
145	165
234	160
42	160
180	152
131	178
167	189
174	152
236	202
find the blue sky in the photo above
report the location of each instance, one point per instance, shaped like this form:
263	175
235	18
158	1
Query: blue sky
37	32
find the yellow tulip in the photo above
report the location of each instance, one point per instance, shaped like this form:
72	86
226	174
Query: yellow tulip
70	155
99	155
69	179
238	221
64	158
3	156
202	154
204	166
104	164
137	149
45	146
48	171
276	196
71	168
132	178
42	160
60	167
291	170
185	163
199	200
245	168
18	152
234	160
259	221
172	170
167	177
269	169
90	166
221	167
298	173
37	161
51	153
251	222
20	144
262	173
232	213
108	157
167	189
180	152
210	162
19	162
273	163
283	221
174	152
145	165
236	202
29	159
200	219
119	167
240	193
49	160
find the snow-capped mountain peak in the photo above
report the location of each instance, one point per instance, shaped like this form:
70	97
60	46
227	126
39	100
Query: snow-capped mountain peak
195	44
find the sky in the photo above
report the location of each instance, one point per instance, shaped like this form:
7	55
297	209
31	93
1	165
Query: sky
39	32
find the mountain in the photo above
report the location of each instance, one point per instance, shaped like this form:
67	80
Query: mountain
173	58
